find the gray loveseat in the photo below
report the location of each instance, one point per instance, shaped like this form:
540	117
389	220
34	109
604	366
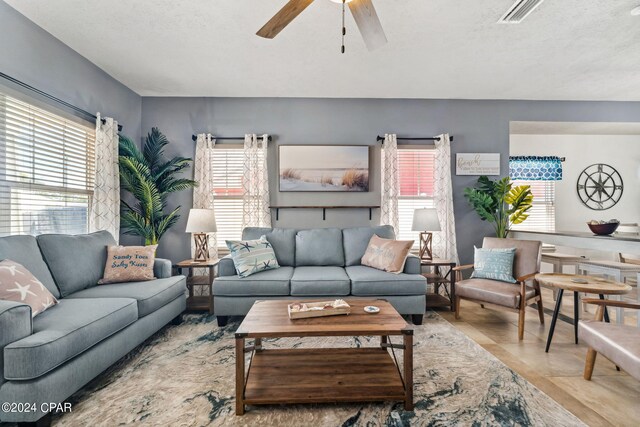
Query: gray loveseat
48	358
319	263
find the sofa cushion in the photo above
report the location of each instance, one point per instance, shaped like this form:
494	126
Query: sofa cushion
283	241
149	294
319	246
356	239
320	281
65	331
492	291
369	281
266	283
25	251
618	343
76	262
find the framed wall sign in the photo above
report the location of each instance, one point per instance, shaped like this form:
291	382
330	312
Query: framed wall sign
478	164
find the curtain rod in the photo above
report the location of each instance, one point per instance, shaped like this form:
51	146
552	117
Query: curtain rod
230	138
426	138
85	113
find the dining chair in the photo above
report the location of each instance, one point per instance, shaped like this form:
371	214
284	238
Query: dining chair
618	343
510	296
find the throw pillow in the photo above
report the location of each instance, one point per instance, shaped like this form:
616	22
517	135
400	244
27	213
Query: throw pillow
19	285
494	264
252	256
129	264
386	254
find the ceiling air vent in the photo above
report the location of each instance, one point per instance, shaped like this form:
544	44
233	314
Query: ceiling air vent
519	10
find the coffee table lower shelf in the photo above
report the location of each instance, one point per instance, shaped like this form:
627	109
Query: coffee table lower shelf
323	375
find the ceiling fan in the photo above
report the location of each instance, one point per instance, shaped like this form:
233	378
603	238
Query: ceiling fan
362	11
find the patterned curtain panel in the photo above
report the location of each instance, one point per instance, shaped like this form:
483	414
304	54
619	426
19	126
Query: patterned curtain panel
203	193
104	213
255	200
444	241
390	183
535	168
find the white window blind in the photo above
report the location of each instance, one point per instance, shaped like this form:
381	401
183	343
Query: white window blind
228	171
47	169
416	179
542	215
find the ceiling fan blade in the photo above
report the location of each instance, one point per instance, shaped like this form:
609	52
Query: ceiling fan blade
283	18
368	23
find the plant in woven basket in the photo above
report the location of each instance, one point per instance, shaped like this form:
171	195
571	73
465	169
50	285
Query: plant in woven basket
150	178
500	202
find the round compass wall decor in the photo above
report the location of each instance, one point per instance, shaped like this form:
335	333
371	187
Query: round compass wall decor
599	186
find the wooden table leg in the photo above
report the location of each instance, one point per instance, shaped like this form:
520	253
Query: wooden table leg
383	340
554	319
239	375
211	277
606	312
452	291
408	370
257	343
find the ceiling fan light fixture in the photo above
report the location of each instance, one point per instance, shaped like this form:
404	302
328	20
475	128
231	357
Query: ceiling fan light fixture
635	11
340	1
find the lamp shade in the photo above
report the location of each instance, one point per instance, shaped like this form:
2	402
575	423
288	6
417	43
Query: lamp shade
425	220
201	221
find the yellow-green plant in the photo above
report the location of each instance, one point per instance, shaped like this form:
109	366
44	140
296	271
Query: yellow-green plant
500	203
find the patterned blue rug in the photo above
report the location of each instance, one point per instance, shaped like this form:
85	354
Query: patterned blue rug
184	376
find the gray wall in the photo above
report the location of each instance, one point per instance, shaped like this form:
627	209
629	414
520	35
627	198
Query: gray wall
477	126
32	55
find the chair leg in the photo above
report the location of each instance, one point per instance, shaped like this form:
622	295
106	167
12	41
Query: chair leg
457	308
589	363
521	322
541	311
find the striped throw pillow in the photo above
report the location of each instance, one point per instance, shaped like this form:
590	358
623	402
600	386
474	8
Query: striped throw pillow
252	256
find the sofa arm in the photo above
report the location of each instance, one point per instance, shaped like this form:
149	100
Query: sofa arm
15	324
412	265
226	267
162	268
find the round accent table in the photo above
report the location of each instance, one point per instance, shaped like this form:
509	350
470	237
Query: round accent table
571	282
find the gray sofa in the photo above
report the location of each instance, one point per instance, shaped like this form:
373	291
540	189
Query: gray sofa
47	358
319	263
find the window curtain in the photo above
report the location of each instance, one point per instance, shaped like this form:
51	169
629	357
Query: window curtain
390	186
255	200
104	213
444	241
203	192
535	168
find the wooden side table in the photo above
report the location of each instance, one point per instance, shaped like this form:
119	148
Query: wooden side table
442	274
199	302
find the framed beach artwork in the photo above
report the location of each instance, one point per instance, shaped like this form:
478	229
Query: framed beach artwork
324	168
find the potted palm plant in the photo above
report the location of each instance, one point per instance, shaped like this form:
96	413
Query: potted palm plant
500	202
150	178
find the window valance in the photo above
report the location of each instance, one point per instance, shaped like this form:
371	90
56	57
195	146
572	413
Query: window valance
535	168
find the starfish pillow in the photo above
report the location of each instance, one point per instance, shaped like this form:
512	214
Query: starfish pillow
19	285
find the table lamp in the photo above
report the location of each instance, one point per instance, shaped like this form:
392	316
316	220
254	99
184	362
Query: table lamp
425	221
201	222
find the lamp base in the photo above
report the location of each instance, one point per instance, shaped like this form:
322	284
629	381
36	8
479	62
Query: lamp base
426	239
202	246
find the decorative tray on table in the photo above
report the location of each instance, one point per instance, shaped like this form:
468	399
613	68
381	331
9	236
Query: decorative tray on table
299	310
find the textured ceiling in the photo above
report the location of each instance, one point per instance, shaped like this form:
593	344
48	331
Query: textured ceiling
565	50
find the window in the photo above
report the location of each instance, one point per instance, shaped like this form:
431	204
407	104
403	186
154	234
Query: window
542	215
228	170
46	170
416	174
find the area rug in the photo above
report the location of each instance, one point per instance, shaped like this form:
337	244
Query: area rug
184	376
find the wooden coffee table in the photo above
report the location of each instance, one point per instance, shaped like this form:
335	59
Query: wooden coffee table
317	375
565	282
